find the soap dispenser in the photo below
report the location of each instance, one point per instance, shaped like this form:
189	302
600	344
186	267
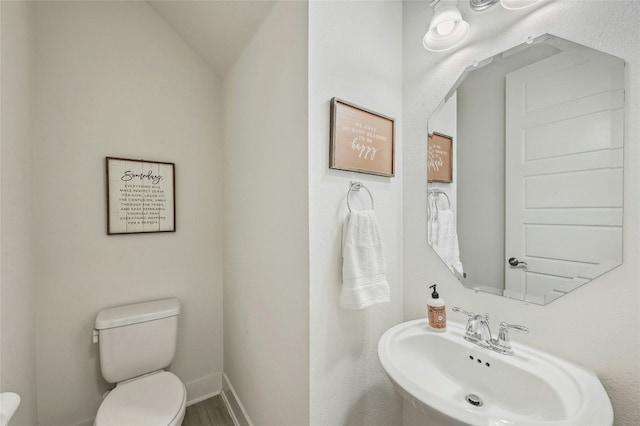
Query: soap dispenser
436	311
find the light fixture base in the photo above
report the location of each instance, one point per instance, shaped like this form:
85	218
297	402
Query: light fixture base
480	5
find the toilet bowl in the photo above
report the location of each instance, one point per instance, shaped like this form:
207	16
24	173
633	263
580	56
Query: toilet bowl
137	342
157	399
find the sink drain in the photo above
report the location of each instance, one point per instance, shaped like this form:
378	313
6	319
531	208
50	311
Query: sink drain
474	400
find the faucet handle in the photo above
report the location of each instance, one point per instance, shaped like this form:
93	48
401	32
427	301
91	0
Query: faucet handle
520	328
503	344
462	311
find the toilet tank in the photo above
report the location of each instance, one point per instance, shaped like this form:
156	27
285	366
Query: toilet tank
137	339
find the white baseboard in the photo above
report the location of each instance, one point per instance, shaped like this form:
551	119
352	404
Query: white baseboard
236	409
202	398
203	388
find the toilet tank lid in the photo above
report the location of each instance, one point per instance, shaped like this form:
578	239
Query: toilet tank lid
136	313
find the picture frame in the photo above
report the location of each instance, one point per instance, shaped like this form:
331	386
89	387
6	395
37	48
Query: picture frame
439	158
361	140
140	196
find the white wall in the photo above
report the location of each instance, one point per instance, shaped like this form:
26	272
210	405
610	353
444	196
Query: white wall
113	79
17	289
355	53
598	325
266	255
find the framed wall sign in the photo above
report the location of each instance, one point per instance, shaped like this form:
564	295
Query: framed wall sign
361	140
140	196
439	158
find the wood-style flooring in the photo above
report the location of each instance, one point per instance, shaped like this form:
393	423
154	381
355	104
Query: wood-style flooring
210	412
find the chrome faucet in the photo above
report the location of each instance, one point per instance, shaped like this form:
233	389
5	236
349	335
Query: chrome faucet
479	332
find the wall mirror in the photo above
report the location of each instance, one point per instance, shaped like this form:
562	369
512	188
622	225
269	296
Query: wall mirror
533	205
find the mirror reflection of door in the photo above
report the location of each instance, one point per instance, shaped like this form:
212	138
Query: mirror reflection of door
563	194
538	168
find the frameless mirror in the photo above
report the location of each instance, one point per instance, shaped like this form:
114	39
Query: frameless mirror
525	170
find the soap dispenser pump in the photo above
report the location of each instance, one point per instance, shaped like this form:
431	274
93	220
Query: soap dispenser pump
436	311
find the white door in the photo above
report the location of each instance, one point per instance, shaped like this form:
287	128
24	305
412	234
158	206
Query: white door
564	138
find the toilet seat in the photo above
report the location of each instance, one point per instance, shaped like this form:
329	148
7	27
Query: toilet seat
158	399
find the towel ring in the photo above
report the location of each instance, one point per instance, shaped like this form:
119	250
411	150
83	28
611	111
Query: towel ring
355	186
437	192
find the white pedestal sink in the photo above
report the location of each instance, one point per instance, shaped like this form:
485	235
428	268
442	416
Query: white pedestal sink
9	403
444	375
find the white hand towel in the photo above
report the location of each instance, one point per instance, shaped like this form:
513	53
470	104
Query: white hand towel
364	280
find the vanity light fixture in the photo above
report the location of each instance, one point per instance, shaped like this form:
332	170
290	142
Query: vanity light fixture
447	28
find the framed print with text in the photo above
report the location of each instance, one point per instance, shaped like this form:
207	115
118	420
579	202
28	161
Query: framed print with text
439	167
140	196
361	140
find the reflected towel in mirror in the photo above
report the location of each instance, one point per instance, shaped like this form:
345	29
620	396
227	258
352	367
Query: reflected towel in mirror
444	240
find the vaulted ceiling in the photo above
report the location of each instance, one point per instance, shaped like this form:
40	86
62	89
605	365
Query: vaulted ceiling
217	30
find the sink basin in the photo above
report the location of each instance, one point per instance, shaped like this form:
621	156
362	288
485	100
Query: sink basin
444	375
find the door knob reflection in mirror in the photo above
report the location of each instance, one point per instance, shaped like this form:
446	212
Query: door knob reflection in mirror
515	262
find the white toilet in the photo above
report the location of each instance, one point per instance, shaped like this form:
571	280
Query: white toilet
136	343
